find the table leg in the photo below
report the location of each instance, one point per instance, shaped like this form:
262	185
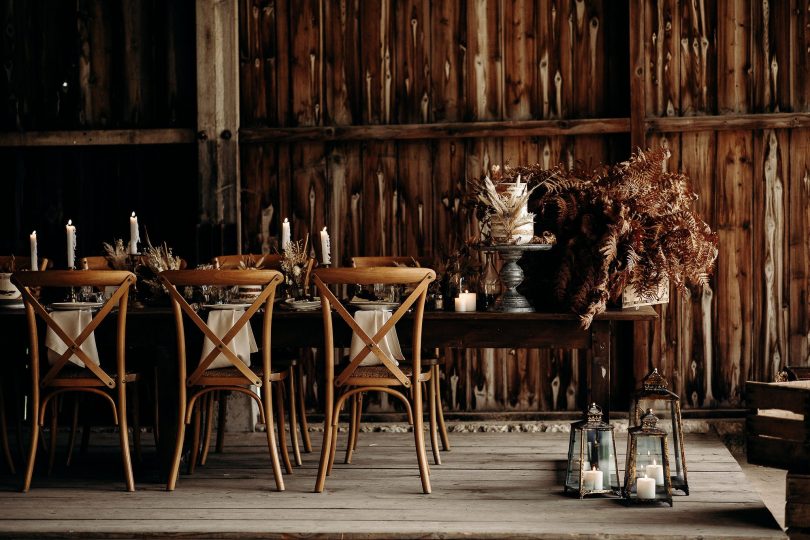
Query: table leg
600	366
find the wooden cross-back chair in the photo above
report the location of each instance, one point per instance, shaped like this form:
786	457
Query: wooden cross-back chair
201	382
355	379
438	428
297	393
64	377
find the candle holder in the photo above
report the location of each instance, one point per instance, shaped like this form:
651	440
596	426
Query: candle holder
134	261
655	390
593	468
510	300
646	476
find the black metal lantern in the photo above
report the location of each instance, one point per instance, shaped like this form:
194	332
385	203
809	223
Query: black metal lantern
592	464
655	394
647	476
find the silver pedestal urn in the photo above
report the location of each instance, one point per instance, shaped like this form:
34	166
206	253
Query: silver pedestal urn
511	301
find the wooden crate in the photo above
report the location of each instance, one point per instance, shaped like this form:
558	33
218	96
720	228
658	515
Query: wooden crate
777	429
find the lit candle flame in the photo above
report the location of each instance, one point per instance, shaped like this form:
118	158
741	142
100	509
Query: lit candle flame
133	213
70	222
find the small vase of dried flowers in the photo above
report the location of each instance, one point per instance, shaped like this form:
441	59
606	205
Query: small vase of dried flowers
155	260
504	199
294	263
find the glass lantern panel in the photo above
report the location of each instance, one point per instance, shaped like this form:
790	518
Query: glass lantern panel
649	465
667	420
575	463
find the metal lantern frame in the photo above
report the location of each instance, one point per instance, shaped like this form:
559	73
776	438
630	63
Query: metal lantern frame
647	430
655	388
593	423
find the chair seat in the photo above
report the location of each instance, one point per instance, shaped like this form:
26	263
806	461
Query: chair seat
73	375
380	375
231	375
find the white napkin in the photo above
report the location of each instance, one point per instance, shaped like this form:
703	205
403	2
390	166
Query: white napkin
72	323
371	321
243	343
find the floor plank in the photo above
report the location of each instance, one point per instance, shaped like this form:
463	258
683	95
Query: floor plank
495	485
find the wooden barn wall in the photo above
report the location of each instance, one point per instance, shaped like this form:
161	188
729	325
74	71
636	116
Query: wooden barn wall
353	63
70	66
729	57
320	63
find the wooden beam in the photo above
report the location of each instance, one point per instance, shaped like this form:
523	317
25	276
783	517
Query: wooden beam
637	73
444	130
97	137
218	113
683	124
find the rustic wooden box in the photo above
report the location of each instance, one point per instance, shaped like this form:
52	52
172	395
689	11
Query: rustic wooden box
631	298
777	429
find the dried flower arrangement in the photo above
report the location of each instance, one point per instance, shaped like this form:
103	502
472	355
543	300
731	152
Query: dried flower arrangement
9	266
155	260
117	255
630	224
294	261
502	197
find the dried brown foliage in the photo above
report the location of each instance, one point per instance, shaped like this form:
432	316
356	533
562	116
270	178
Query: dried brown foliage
632	223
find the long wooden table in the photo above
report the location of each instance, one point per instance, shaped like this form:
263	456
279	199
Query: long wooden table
153	328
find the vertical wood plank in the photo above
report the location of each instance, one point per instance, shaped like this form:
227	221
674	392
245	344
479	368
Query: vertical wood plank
799	248
342	62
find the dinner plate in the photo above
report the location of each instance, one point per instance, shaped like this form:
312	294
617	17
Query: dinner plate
372	305
225	306
17	303
73	306
304	305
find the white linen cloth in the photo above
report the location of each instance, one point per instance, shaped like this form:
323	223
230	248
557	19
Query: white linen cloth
72	322
243	343
371	321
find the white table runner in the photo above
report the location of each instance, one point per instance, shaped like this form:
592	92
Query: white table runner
220	321
371	321
72	322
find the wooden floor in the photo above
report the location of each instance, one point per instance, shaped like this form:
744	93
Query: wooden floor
495	485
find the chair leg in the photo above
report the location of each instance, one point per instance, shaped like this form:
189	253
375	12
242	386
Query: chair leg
136	421
222	417
267	402
352	423
54	403
440	409
302	409
123	434
419	438
33	445
282	429
209	426
293	418
174	470
333	444
74	428
434	435
323	464
4	432
194	456
357	421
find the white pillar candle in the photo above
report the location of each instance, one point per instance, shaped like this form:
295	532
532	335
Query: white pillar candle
593	480
34	259
326	257
645	488
656	471
285	234
134	237
70	229
466	301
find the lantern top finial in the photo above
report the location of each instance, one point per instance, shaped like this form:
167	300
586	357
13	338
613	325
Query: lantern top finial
655	381
594	413
649	420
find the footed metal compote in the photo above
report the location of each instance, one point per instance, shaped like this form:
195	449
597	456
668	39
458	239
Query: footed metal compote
511	301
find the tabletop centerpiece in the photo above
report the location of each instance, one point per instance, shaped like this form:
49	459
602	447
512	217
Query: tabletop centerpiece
294	261
507	227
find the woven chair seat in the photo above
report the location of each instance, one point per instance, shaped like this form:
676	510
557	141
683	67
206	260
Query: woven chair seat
73	372
233	373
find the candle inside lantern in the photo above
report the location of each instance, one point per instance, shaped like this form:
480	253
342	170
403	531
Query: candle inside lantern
593	480
134	236
645	487
34	259
285	234
326	257
70	229
656	471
